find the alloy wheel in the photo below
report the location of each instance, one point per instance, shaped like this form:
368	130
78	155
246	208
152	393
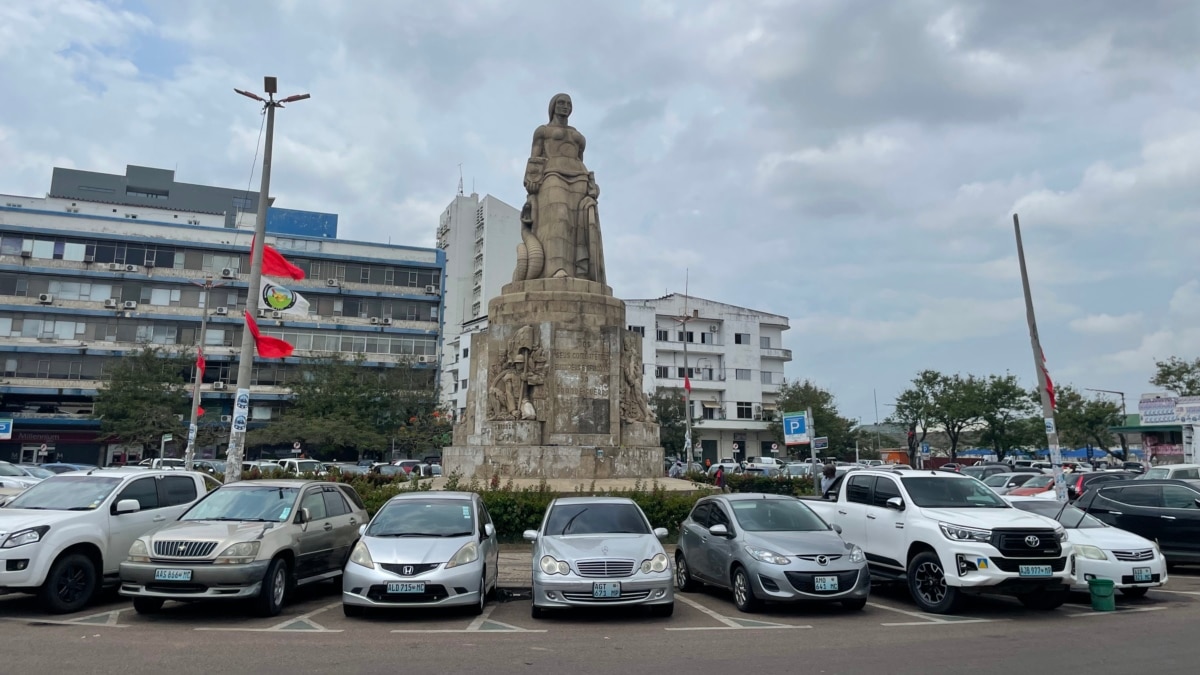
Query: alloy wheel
741	590
681	573
279	586
931	582
71	584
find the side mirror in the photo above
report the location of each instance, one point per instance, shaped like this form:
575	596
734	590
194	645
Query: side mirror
362	529
661	532
895	503
303	516
529	535
489	530
718	530
836	528
1197	502
128	506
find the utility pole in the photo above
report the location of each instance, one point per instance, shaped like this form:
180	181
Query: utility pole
687	391
241	405
190	454
1124	415
1039	364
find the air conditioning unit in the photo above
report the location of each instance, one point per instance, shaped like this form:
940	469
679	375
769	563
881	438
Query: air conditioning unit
374	321
758	416
129	304
276	315
219	386
333	283
89	258
110	303
221	311
226	418
262	313
131	268
115	267
26	254
431	289
45	298
228	273
426	359
385	322
714	328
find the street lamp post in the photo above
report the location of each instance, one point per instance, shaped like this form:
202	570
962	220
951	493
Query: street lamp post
1124	416
241	406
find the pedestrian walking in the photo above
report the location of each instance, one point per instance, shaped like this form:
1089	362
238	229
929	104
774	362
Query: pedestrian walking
827	478
719	477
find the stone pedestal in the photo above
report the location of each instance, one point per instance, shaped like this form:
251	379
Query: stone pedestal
557	391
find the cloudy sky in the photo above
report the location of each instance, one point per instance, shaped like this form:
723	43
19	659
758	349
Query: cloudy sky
853	165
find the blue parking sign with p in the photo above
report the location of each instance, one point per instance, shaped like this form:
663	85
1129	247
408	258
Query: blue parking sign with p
795	428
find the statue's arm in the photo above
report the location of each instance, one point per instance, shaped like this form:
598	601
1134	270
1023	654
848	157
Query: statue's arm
539	142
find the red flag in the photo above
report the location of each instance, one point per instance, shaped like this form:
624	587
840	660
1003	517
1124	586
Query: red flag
1049	383
200	364
687	384
268	347
275	265
199	411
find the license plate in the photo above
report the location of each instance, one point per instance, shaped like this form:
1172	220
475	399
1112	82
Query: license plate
406	587
825	583
1141	574
172	575
1035	570
606	589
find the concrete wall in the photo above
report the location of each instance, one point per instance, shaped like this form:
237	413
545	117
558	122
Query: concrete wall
553	462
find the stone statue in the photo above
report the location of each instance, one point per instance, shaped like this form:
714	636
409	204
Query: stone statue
517	378
560	222
635	407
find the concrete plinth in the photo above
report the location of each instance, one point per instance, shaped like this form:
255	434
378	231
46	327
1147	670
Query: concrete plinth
552	462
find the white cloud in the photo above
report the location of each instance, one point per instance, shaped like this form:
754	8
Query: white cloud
1104	324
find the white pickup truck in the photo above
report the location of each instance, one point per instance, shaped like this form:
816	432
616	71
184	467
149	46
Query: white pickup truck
65	537
947	535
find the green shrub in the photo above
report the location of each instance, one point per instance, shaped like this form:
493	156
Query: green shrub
799	486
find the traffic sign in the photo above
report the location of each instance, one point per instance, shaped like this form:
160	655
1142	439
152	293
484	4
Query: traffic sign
43	450
820	443
774	447
1090	454
6	429
736	446
925	449
795	428
296	448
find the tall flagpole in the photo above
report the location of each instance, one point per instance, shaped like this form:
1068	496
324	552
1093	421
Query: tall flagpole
1039	366
687	390
190	455
241	401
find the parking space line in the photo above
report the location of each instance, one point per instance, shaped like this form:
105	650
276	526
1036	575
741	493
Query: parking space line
926	619
1163	590
730	623
482	624
1076	615
102	620
295	624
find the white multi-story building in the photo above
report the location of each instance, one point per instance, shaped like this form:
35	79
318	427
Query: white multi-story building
735	361
479	237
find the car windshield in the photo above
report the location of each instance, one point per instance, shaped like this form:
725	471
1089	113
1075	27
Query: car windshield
1070	517
996	480
7	469
66	493
389	470
776	515
219	467
1039	481
308	466
250	503
951	493
37	471
423	518
596	518
1157	472
975	471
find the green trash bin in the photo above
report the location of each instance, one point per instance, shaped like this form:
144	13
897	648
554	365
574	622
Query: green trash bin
1103	594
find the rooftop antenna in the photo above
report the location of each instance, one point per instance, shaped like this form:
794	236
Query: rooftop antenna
460	180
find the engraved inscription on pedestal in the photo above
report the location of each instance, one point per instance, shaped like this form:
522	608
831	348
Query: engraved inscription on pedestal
581	383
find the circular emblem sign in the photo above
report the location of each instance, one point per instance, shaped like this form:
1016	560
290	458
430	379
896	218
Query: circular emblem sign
278	298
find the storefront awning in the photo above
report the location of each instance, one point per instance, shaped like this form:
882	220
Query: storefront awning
711	404
770	406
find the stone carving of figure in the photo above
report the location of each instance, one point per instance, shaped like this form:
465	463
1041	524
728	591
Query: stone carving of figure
520	372
560	227
635	407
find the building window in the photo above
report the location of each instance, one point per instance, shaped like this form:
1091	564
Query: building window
466	352
689	372
742	374
771	378
640	330
708	338
662	371
686	337
242	203
745	410
662	335
101	190
464	384
741	338
764	342
149	194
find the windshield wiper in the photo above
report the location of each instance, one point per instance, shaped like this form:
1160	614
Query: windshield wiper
81	508
405	534
572	521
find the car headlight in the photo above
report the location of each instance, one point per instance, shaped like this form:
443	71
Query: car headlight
658	563
1060	535
857	555
1090	552
139	552
30	535
960	533
469	553
764	555
552	565
361	555
238	554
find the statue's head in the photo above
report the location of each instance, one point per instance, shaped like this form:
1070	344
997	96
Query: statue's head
560	105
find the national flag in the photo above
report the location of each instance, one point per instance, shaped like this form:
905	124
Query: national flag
199	411
275	265
200	364
281	299
1049	383
687	384
268	347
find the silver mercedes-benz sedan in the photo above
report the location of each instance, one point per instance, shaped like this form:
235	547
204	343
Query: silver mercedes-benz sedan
593	551
768	548
424	549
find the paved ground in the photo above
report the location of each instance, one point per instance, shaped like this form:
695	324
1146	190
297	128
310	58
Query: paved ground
707	634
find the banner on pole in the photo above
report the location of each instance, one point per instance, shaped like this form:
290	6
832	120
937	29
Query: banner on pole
241	411
278	298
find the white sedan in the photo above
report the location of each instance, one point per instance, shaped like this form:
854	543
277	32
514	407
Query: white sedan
1134	563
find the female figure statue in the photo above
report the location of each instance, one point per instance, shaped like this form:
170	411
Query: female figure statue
560	221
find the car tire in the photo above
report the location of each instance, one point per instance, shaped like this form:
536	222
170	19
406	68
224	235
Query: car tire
274	589
927	585
683	574
69	585
538	612
1134	593
148	605
477	608
855	605
662	611
743	591
1043	601
353	611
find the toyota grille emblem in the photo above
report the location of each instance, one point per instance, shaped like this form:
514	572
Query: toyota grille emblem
822	560
407	570
1032	541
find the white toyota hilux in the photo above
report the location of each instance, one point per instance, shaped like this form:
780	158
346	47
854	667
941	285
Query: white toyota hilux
947	535
65	537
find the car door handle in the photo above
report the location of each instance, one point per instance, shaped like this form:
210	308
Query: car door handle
159	519
703	540
1115	513
870	517
842	512
1167	517
328	527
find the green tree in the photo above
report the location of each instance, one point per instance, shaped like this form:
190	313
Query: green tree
672	419
1082	420
914	410
827	420
957	407
143	397
1004	407
1178	376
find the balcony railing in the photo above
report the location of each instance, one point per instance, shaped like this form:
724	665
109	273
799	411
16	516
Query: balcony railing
772	353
